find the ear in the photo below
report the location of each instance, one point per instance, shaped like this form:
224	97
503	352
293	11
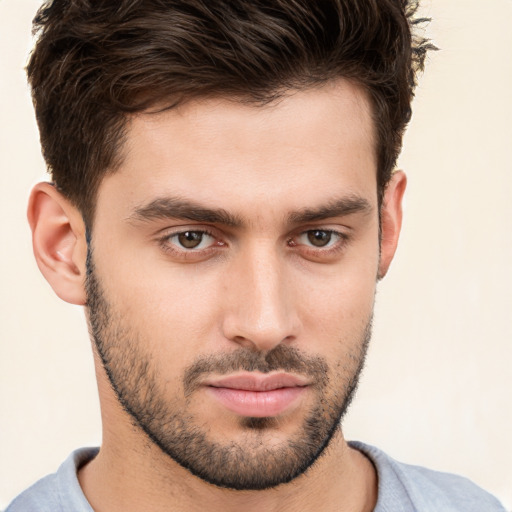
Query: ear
391	220
58	240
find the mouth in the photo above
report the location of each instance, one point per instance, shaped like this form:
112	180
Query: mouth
257	395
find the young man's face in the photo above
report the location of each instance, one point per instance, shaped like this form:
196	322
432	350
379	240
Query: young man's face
232	273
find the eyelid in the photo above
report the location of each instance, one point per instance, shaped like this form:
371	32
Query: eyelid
173	249
333	232
205	238
341	233
320	254
168	232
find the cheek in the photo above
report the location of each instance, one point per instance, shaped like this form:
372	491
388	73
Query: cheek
341	316
176	325
171	312
336	310
344	291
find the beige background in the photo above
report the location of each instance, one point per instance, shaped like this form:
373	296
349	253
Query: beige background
437	390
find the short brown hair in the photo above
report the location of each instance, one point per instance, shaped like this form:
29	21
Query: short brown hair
95	62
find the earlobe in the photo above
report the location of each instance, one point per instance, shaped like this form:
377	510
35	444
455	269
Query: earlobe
58	239
391	220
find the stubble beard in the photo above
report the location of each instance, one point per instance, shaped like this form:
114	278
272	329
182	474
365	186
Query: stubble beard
250	464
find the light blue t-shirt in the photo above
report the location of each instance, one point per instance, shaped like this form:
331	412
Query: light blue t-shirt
402	488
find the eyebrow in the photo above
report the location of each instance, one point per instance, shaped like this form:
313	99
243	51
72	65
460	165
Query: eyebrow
179	208
335	208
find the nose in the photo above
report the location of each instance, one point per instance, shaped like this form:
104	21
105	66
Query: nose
259	313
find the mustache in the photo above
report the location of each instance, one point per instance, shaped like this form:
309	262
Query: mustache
280	358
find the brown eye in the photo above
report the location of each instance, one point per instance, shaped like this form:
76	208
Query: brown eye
190	239
192	245
319	238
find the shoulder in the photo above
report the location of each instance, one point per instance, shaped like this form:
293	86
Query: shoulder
59	491
43	496
424	490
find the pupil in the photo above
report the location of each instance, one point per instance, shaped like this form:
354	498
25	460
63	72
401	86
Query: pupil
319	238
190	239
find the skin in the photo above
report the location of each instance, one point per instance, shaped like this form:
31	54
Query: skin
253	286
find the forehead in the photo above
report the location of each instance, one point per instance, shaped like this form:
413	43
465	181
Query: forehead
237	155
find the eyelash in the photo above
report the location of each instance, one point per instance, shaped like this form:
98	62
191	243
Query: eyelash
183	253
332	250
170	248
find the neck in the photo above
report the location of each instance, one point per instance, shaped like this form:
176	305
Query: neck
142	478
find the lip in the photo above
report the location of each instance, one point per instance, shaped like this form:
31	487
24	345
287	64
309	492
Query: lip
257	395
258	381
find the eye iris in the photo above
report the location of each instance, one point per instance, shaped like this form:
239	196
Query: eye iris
319	238
190	239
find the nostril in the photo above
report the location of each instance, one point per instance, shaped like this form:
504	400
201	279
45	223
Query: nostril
244	342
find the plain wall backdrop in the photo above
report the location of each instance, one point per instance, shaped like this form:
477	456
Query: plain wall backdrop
437	389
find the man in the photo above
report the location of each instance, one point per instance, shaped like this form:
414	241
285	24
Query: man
222	204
